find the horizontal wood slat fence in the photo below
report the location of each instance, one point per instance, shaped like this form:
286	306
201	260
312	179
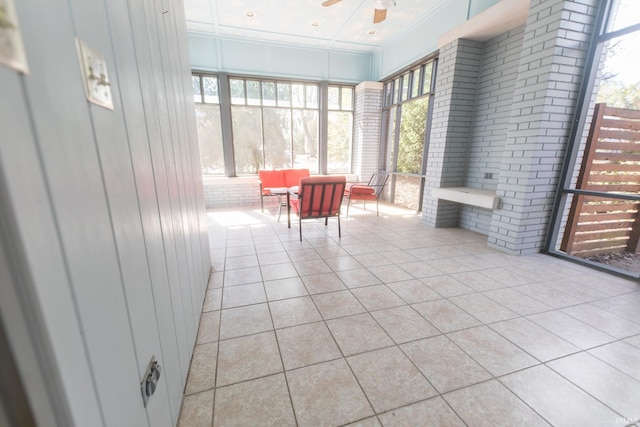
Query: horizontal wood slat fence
611	164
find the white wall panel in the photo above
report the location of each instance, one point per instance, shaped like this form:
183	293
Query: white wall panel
172	208
254	57
72	168
191	158
151	187
46	277
117	196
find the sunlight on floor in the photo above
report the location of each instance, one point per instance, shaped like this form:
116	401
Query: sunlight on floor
235	218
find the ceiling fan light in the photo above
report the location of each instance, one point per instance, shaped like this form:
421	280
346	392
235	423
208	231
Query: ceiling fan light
315	23
249	13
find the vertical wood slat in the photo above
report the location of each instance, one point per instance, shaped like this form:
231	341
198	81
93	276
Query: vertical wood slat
609	165
633	245
568	238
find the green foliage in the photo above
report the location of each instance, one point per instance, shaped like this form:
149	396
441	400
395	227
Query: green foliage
412	128
210	137
339	142
247	137
617	94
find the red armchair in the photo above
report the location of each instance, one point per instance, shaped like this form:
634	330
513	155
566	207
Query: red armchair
278	179
371	191
319	197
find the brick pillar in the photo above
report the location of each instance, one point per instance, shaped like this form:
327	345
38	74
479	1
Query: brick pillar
367	119
456	84
556	39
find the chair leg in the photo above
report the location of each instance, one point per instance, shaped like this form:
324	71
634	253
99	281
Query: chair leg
377	208
339	231
348	203
326	221
300	223
262	203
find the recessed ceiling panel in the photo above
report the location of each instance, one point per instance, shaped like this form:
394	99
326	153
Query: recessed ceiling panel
347	24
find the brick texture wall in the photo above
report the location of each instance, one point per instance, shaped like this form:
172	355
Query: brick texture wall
233	192
456	86
494	96
555	43
505	107
366	129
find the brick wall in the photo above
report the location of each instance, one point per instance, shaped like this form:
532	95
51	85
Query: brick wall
555	43
494	96
514	124
220	192
366	129
456	86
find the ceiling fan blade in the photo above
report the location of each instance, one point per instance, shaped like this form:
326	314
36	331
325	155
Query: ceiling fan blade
379	15
330	2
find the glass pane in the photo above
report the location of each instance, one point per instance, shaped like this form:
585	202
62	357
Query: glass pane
620	81
277	138
284	95
411	140
269	94
407	191
387	94
312	96
305	139
415	85
613	161
405	87
391	118
210	138
253	92
297	95
339	135
237	91
426	82
334	98
197	93
346	101
602	230
246	124
624	13
211	90
396	89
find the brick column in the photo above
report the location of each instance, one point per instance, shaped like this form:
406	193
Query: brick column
456	84
367	119
556	39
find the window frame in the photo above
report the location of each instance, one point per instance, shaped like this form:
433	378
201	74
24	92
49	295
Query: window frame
319	105
392	103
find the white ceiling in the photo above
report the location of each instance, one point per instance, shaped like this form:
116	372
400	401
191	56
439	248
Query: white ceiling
345	25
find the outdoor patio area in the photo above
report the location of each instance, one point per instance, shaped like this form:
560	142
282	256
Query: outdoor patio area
401	324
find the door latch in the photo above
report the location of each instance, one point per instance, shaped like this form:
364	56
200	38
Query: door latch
150	379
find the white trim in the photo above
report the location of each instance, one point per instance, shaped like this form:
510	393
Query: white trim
498	19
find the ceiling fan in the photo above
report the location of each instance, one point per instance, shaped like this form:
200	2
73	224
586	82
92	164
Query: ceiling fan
379	12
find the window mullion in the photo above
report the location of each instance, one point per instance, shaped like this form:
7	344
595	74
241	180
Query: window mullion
225	117
323	119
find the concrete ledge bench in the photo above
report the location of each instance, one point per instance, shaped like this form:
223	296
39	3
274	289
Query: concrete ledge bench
486	199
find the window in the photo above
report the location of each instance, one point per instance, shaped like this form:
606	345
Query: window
340	129
274	124
597	214
407	108
206	97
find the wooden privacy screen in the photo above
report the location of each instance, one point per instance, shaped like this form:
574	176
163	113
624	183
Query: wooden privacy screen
611	164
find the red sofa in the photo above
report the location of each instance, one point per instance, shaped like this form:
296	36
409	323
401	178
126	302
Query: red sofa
270	179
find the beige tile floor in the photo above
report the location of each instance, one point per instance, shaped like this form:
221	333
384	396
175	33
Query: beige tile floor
400	324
